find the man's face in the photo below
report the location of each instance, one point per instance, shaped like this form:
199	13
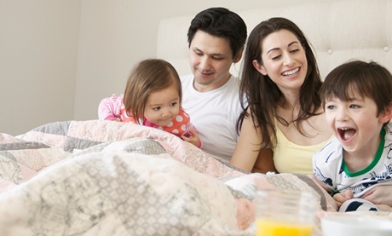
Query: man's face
210	59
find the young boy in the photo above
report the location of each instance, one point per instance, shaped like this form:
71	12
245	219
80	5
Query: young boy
357	98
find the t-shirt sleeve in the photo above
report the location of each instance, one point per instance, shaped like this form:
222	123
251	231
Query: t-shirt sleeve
109	108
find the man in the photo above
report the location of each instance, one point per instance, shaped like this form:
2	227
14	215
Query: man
216	40
210	95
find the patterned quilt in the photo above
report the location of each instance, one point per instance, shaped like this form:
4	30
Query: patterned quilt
110	178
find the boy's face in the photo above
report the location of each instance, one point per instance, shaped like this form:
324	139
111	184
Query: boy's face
355	123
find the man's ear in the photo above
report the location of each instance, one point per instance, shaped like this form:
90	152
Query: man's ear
259	68
386	115
238	57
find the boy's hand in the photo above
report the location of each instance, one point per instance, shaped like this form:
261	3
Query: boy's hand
379	195
193	138
342	197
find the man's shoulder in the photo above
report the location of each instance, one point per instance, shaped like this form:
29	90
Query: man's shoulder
186	77
186	80
232	85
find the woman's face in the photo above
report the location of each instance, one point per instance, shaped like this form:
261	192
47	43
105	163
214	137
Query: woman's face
283	60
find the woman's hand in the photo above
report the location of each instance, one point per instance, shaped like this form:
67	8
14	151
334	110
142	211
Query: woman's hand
193	138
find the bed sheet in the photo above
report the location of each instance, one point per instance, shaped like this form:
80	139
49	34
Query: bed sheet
110	178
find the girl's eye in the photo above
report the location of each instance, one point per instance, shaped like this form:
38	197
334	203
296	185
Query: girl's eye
156	108
174	104
330	107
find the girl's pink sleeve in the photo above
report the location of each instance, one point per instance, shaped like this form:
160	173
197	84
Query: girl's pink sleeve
109	108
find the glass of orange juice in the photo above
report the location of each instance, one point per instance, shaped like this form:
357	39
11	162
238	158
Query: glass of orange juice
284	213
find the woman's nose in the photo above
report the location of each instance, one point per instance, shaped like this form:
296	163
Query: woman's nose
288	60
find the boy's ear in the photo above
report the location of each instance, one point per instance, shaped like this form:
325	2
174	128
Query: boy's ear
386	115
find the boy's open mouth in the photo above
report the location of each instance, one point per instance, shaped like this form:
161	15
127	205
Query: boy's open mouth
346	133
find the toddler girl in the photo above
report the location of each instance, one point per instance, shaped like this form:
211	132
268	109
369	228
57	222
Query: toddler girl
152	98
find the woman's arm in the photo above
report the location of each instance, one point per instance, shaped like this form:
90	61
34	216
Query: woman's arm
247	155
265	162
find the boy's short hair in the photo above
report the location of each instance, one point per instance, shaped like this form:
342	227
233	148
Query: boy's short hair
220	22
368	79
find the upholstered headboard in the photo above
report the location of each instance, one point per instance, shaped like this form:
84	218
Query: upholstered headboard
338	30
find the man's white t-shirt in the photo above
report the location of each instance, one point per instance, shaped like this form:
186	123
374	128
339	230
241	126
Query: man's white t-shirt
214	115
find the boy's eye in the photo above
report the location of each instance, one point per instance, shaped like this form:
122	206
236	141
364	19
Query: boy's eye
354	106
330	107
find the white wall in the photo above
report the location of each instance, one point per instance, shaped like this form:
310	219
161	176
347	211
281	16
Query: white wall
38	51
58	59
117	34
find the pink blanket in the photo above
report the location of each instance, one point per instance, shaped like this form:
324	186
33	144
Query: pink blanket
110	178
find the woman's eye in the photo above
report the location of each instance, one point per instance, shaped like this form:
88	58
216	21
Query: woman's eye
276	57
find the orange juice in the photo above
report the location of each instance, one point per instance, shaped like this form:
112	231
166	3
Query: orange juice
266	227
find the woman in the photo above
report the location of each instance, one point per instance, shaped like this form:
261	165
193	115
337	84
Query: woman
282	110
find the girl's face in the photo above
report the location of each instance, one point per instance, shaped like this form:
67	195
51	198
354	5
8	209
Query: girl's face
283	60
355	123
162	106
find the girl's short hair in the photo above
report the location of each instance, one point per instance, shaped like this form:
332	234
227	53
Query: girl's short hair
368	79
148	76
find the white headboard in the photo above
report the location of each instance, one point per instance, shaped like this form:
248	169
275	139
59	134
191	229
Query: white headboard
338	30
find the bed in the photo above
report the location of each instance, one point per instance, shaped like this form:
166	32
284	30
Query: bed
108	178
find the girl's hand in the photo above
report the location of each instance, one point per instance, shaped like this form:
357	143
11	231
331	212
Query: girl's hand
193	138
342	197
